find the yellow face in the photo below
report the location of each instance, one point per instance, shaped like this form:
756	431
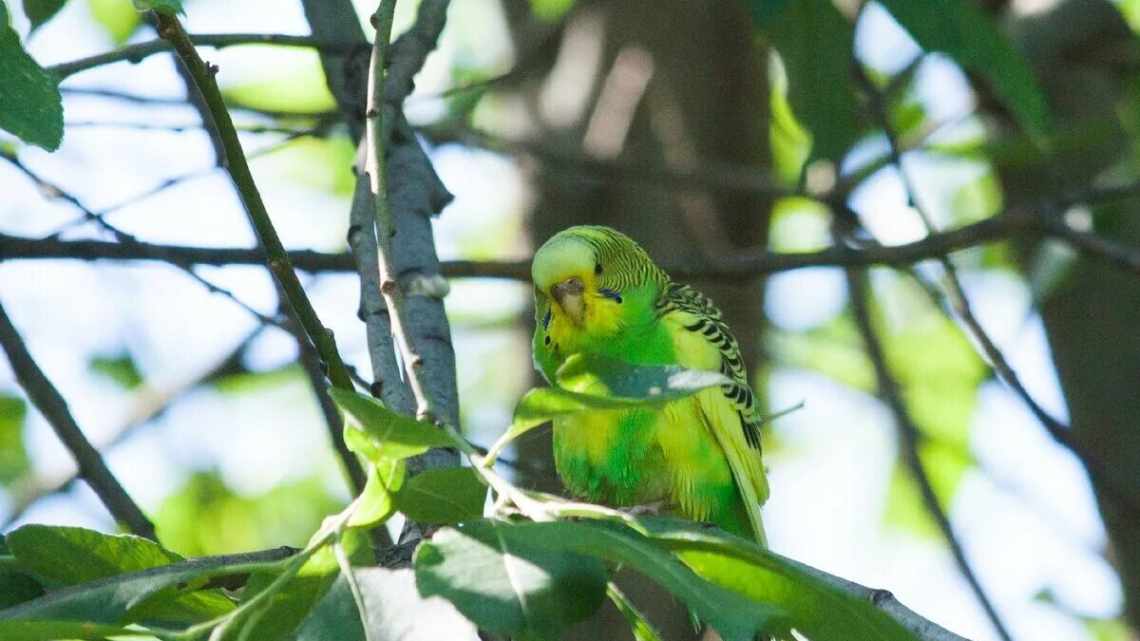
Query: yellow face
570	296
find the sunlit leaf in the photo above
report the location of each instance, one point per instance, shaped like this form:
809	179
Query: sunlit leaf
816	609
377	502
30	105
395	611
506	583
816	44
387	434
443	496
55	630
540	405
40	11
62	556
115	599
960	30
13	454
118	18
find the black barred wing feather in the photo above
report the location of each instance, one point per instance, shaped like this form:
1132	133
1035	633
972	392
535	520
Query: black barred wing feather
697	314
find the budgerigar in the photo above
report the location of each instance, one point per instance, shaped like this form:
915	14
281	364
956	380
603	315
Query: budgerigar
598	292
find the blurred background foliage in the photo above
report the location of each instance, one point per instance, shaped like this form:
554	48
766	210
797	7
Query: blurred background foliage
703	130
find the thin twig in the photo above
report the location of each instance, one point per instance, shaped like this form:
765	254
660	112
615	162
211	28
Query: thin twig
909	438
52	405
137	52
236	165
377	169
1052	225
745	267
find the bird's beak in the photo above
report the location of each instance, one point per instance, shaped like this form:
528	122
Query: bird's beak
568	294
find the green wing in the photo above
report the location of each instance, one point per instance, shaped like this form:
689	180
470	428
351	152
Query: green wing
704	341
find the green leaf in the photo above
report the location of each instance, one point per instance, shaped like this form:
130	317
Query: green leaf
610	378
40	11
119	19
13	454
376	501
589	382
16	585
30	104
165	7
386	433
508	584
960	30
120	369
335	617
63	556
116	599
289	608
55	630
542	404
457	570
395	611
443	496
816	44
815	608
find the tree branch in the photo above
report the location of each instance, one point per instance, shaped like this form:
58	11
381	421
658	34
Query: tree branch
170	29
376	127
909	437
741	268
923	628
137	52
387	385
54	408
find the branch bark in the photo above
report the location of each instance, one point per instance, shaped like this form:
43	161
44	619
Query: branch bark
52	405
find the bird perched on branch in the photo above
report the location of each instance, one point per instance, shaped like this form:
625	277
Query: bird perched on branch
598	292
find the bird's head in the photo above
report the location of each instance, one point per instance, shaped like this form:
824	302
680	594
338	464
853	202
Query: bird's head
590	280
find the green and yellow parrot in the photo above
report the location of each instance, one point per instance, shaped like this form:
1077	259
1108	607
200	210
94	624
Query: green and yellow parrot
598	292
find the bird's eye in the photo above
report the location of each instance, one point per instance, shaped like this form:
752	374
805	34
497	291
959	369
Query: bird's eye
597	269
